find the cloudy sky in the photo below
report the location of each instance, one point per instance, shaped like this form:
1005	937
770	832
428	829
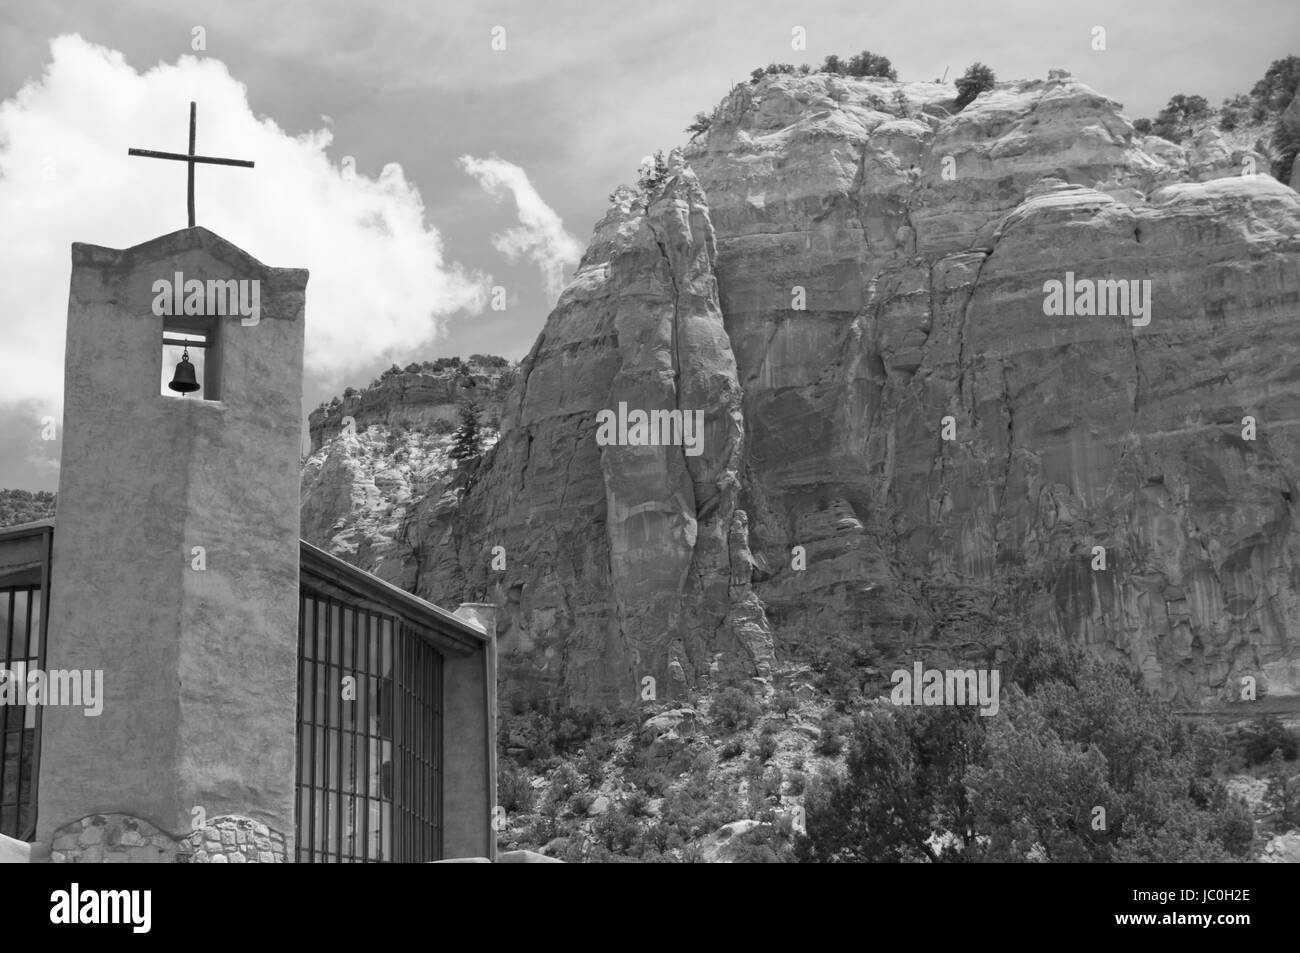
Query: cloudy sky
411	167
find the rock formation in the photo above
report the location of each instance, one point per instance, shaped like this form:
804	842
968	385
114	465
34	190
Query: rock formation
829	279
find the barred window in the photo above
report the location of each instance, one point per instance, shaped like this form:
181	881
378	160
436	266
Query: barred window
369	737
20	627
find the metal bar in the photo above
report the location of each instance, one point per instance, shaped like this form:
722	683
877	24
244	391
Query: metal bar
311	781
416	804
365	747
438	747
181	157
382	693
176	342
336	688
302	681
399	738
22	725
430	788
40	663
352	764
417	763
4	716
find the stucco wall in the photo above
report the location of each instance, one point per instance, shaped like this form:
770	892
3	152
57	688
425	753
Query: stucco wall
199	666
469	742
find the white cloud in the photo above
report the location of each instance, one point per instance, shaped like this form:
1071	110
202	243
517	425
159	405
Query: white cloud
540	236
379	280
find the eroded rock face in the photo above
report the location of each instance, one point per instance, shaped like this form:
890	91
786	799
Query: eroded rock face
622	562
415	400
828	279
925	299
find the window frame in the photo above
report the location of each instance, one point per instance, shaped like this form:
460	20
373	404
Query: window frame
403	714
209	330
34	608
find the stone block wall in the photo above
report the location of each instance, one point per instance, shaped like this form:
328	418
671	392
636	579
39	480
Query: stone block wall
232	839
123	839
112	839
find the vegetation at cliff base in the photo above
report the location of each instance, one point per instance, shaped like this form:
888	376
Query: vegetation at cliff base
1080	764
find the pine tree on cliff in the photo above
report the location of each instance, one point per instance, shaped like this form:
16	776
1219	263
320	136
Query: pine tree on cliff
465	440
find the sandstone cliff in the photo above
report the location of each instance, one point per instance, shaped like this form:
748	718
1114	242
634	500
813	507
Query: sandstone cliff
828	279
361	481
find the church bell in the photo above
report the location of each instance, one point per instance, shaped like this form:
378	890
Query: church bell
183	380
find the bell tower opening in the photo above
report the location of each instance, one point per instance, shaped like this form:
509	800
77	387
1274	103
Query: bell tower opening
196	341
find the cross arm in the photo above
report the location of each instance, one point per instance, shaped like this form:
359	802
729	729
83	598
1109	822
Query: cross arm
151	154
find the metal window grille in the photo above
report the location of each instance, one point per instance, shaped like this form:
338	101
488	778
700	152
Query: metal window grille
20	653
369	766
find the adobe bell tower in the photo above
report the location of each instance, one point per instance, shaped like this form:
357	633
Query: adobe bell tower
176	550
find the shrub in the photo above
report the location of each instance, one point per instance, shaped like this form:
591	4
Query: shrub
565	783
978	78
541	830
797	781
867	63
1278	87
1286	144
615	831
650	780
652	173
637	804
699	124
514	792
766	747
1142	127
830	743
734	709
1283	790
581	801
658	838
1233	112
763	845
572	727
1175	120
785	702
595	759
488	360
1265	735
833	64
771	782
732	749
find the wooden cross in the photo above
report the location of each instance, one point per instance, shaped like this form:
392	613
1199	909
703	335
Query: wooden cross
191	158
